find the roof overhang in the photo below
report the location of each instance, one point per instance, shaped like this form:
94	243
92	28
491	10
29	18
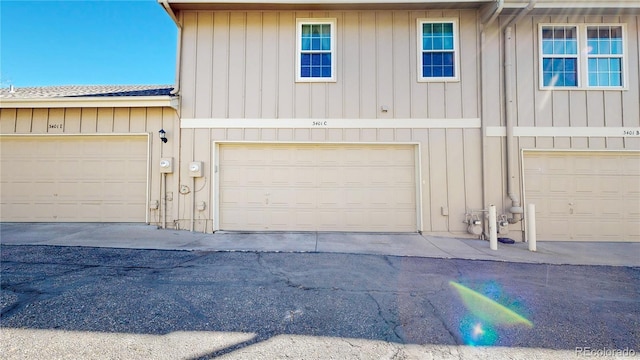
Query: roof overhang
173	6
541	6
89	102
601	7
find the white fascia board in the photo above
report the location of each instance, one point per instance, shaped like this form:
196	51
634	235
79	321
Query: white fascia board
574	4
322	2
78	102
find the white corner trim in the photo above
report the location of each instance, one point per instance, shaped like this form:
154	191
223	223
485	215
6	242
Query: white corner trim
88	101
551	131
208	123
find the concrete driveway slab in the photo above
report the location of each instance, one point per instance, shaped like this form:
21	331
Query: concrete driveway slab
140	236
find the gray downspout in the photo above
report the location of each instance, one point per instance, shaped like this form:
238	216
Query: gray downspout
487	17
176	87
516	208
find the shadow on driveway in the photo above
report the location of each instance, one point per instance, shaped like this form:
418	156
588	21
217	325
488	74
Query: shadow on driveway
399	300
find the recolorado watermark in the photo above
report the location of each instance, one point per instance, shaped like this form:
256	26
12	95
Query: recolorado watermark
604	352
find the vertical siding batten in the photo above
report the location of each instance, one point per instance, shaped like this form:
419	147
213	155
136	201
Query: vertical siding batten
384	71
203	64
402	69
254	37
368	66
188	77
419	92
220	64
237	64
269	68
454	164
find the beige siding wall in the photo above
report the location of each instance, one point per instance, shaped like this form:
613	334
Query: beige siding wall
237	64
242	65
104	121
559	108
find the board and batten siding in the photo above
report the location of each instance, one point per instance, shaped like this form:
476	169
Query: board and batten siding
237	64
569	109
106	121
241	65
535	107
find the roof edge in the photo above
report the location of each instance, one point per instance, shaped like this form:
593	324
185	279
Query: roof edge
178	5
90	101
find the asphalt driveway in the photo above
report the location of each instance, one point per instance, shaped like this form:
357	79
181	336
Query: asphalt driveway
79	302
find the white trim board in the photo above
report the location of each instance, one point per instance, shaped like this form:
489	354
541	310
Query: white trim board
91	101
552	131
208	123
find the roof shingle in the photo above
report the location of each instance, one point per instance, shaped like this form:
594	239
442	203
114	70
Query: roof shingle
84	91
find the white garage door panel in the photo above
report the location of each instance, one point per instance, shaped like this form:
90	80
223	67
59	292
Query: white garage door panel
317	187
584	196
74	178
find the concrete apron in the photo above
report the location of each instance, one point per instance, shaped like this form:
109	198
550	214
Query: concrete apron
142	236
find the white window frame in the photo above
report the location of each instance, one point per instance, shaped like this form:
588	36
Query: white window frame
315	21
583	57
456	49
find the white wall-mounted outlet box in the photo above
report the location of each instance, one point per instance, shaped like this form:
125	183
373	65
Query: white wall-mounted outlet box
166	165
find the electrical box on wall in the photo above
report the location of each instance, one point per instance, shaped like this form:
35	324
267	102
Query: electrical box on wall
166	165
195	169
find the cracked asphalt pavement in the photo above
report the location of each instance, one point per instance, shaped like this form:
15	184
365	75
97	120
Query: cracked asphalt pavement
76	302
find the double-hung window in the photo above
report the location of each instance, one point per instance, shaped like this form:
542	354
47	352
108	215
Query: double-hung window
438	50
604	44
582	56
316	55
560	56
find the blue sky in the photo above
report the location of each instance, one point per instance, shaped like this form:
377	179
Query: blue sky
78	42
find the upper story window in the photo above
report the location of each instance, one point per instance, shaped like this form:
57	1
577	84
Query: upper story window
438	50
560	56
316	59
604	45
582	56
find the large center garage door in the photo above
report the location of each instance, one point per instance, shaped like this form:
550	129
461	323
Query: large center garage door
73	178
317	187
584	196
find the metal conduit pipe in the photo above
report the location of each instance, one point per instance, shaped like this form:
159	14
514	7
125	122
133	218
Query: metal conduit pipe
516	208
193	203
488	15
176	87
163	200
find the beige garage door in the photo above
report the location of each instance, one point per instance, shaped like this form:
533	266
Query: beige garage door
73	178
584	196
317	187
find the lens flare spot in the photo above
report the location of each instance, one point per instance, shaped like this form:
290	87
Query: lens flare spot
488	310
475	333
477	330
